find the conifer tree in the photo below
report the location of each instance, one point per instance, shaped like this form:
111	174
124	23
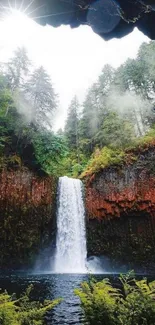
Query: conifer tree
71	126
41	95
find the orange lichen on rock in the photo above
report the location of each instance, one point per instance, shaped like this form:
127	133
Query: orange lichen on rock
24	187
114	192
140	196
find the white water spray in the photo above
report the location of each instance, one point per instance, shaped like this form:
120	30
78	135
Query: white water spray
71	250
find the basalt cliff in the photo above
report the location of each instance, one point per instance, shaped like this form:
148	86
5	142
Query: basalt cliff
120	213
120	207
27	223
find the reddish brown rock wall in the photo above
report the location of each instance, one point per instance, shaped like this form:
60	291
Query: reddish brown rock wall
24	187
109	199
120	205
27	207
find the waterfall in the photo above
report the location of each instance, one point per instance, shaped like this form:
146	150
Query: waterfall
70	256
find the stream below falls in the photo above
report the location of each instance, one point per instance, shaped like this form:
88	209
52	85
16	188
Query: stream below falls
52	286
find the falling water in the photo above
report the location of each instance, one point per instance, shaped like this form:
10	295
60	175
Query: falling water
71	250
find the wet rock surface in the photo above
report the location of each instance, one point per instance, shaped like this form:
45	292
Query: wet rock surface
27	223
120	205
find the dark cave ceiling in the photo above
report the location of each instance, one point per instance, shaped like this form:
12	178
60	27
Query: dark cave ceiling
108	18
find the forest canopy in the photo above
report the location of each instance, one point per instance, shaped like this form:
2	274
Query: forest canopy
28	106
117	113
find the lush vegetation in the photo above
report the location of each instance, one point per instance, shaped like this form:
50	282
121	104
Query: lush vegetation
104	304
115	156
23	311
117	114
27	107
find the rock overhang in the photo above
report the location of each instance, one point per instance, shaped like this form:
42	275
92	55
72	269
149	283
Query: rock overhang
108	18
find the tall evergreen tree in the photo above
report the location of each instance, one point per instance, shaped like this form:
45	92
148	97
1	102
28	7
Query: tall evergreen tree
41	95
17	69
71	126
89	120
115	131
106	79
105	86
95	109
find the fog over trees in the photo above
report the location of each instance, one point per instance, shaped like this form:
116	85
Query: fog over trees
117	111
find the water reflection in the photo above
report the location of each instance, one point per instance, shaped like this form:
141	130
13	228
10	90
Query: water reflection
68	312
52	286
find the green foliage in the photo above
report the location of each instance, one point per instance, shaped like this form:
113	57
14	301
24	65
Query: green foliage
118	110
105	305
148	138
117	114
89	122
23	311
69	165
76	170
39	149
98	300
26	104
71	127
103	158
115	131
39	93
49	151
16	69
113	155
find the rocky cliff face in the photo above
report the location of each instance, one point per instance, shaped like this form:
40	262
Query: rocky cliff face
120	205
27	206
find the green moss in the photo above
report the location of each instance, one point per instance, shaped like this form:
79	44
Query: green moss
113	156
102	159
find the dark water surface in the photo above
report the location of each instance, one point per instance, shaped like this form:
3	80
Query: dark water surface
52	286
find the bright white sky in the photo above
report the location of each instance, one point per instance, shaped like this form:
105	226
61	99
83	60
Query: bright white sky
73	57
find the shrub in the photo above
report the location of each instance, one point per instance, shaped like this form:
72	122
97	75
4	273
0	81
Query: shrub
106	305
23	311
103	158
